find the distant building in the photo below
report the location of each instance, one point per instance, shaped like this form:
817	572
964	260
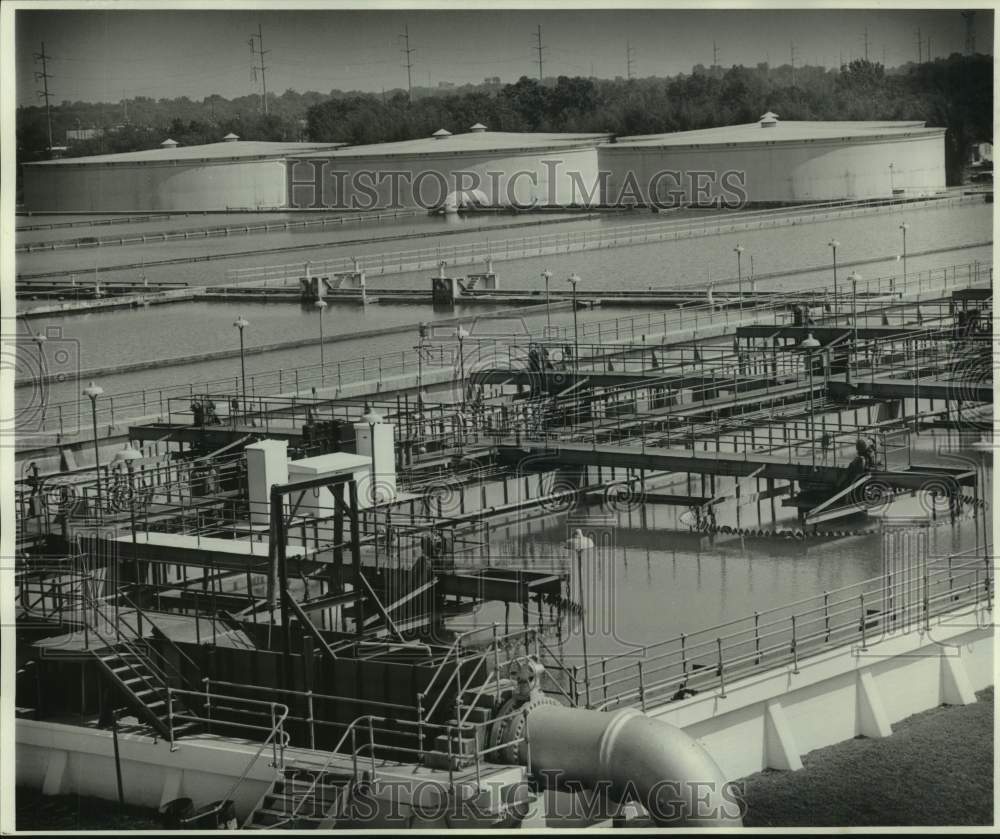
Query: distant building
980	153
446	84
78	135
492	81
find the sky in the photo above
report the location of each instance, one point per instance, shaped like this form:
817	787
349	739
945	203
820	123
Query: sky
110	55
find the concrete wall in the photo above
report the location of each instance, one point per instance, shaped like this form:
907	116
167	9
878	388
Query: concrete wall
555	177
769	720
819	170
140	187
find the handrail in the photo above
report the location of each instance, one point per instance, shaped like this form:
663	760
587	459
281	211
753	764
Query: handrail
277	750
784	625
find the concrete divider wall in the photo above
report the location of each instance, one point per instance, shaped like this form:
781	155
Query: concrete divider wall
62	759
769	720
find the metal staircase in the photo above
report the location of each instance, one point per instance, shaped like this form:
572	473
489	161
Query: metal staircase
143	686
301	798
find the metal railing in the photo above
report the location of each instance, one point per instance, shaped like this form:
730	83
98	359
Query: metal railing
859	614
75	417
571	241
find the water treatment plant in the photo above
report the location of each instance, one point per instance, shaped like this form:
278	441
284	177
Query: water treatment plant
542	511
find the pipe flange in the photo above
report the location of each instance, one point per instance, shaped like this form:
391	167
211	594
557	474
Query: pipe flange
510	727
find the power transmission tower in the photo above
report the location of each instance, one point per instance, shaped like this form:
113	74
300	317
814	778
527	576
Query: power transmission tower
539	49
970	32
44	92
629	52
920	47
259	50
408	51
715	54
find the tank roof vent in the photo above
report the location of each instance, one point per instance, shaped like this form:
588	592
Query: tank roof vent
441	134
769	120
230	138
478	128
169	144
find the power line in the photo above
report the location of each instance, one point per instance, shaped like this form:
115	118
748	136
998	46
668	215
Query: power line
260	51
44	92
629	52
539	49
407	51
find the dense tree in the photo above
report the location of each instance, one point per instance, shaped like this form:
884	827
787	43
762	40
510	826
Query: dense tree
954	92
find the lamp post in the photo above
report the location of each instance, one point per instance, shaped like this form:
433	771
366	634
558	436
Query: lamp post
809	344
738	250
836	301
903	227
40	340
462	333
547	275
242	323
321	308
373	418
93	392
574	280
128	456
580	543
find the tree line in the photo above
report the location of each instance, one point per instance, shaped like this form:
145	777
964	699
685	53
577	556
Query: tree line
955	93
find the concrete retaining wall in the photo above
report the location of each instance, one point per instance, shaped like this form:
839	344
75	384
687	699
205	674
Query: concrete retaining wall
769	720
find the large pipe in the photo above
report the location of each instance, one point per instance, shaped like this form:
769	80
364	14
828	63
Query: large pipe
638	758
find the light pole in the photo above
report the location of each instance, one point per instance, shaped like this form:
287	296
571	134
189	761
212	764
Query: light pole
40	340
242	323
129	456
738	250
573	280
94	392
547	275
809	344
580	543
855	278
903	227
892	180
836	302
462	333
421	335
373	418
321	308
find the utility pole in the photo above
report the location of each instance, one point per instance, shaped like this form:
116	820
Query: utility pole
259	50
628	59
793	63
970	32
920	47
407	51
866	43
929	56
539	48
124	108
44	92
715	54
